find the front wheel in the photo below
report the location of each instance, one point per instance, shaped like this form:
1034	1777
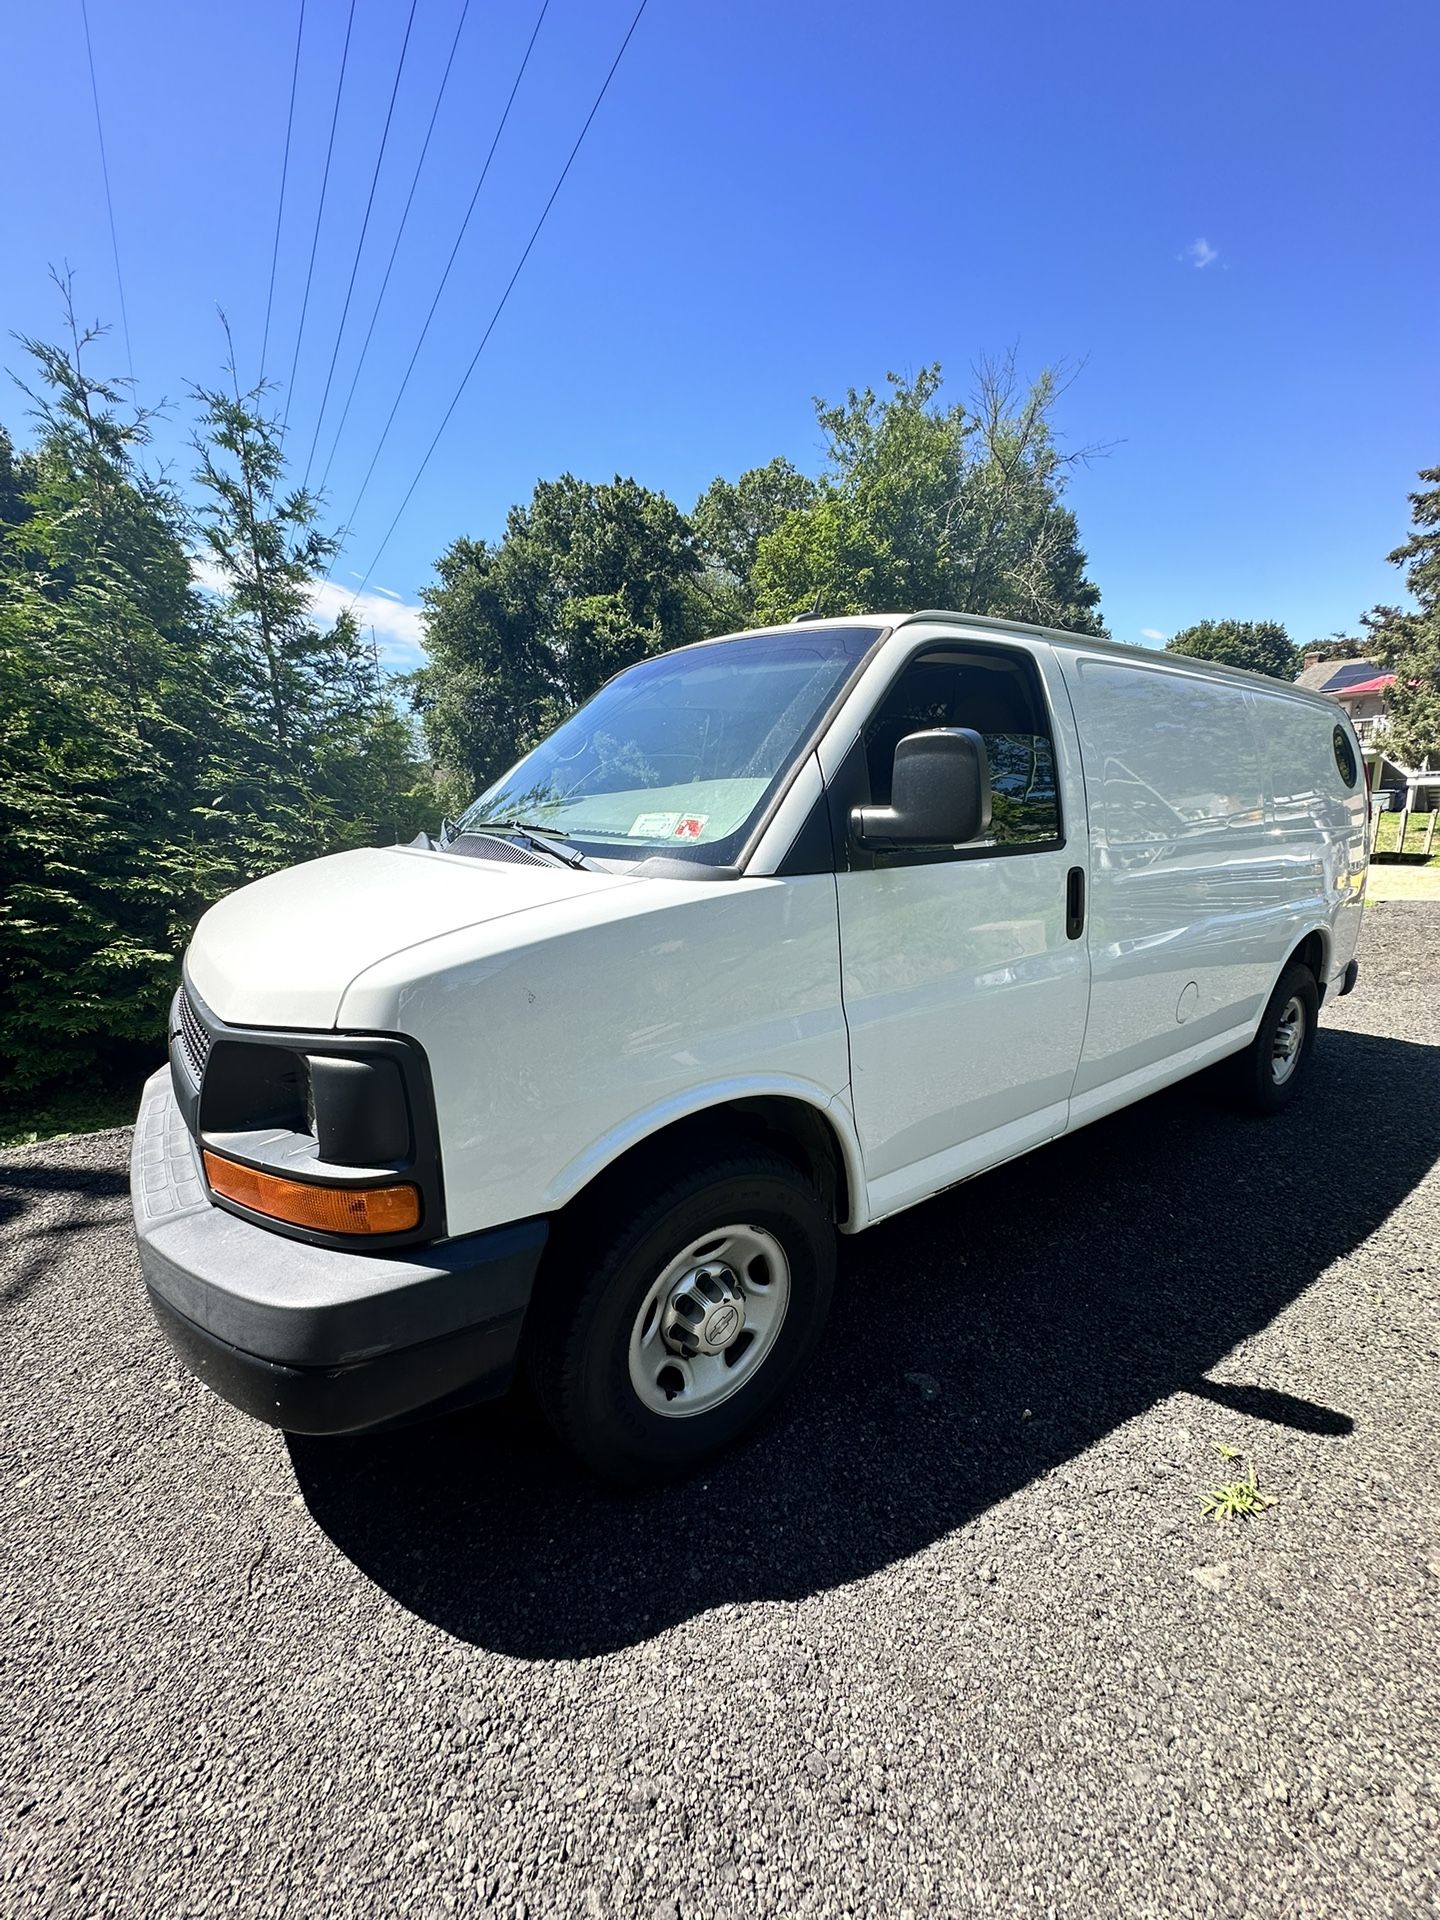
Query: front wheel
1268	1074
660	1336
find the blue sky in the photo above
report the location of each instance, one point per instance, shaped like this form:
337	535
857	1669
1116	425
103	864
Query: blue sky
1227	214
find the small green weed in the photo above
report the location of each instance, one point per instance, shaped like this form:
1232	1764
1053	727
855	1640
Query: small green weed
1236	1499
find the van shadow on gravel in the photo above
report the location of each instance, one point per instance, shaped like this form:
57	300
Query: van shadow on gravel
1080	1285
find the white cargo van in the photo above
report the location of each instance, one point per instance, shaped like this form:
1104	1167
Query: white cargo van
777	935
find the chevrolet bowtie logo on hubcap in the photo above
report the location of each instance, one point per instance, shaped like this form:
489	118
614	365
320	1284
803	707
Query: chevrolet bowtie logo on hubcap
722	1327
706	1313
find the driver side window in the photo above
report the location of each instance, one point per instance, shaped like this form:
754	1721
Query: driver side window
997	696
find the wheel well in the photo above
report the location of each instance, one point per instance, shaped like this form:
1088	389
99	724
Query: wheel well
1311	953
789	1127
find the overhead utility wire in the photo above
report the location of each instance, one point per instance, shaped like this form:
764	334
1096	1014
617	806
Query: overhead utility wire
360	243
109	203
389	265
500	308
284	176
405	381
319	216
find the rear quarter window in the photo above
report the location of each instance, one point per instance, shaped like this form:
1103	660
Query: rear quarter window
1300	751
1344	757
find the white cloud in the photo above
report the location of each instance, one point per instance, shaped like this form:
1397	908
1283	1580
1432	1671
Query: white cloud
1200	253
399	635
398	632
1153	633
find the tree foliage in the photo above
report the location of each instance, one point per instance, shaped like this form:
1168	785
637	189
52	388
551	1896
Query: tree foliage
176	719
924	505
319	757
108	705
731	520
1336	647
919	505
1408	643
140	723
1261	646
586	580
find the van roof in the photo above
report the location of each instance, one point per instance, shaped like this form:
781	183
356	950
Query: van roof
1060	636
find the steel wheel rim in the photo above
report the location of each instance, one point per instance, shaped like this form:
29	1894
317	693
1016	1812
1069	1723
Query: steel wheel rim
1288	1041
685	1357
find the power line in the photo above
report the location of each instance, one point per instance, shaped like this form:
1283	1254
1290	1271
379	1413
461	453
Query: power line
284	176
109	203
360	243
500	307
400	232
464	224
319	216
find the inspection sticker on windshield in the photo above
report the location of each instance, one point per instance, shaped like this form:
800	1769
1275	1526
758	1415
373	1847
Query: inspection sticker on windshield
691	826
653	826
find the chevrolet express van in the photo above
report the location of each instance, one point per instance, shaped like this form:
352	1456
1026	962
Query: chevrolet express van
776	936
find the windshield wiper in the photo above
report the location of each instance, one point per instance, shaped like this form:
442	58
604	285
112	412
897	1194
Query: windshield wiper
552	842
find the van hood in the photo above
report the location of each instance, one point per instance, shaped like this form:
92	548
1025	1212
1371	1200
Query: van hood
281	952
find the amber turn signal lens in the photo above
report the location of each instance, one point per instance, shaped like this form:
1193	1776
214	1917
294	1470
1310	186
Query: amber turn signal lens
393	1209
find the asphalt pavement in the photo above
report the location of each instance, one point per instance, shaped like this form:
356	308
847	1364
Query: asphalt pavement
950	1637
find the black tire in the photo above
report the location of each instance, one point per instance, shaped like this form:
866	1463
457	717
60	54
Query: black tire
606	1259
1254	1084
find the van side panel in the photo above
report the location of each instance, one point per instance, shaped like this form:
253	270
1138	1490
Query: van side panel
1318	824
1189	912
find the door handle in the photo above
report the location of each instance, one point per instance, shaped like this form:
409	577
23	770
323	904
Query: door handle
1074	903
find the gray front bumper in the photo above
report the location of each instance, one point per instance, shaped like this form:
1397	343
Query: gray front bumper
320	1338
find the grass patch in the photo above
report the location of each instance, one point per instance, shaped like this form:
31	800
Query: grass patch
59	1115
1388	835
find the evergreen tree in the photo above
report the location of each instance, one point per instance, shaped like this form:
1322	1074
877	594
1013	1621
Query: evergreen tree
1408	643
108	705
160	746
315	755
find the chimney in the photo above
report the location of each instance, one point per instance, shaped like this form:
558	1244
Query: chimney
1313	657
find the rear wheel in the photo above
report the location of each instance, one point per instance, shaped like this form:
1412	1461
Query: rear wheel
664	1331
1269	1073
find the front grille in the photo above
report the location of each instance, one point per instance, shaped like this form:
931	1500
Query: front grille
194	1040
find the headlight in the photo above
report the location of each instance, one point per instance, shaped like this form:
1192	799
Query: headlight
324	1136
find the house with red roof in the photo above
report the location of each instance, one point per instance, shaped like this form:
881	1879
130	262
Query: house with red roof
1362	687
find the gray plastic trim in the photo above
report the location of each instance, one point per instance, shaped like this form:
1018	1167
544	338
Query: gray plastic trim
301	1305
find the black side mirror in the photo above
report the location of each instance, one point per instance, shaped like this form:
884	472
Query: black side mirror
939	794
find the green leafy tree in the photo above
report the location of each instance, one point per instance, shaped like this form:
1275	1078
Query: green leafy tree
1408	643
1261	646
927	505
731	519
1336	647
586	580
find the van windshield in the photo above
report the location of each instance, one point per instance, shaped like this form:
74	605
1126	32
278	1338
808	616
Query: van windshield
680	755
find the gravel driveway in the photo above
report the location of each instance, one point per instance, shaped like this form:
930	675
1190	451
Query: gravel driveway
950	1637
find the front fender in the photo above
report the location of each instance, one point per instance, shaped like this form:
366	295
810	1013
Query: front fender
653	1122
